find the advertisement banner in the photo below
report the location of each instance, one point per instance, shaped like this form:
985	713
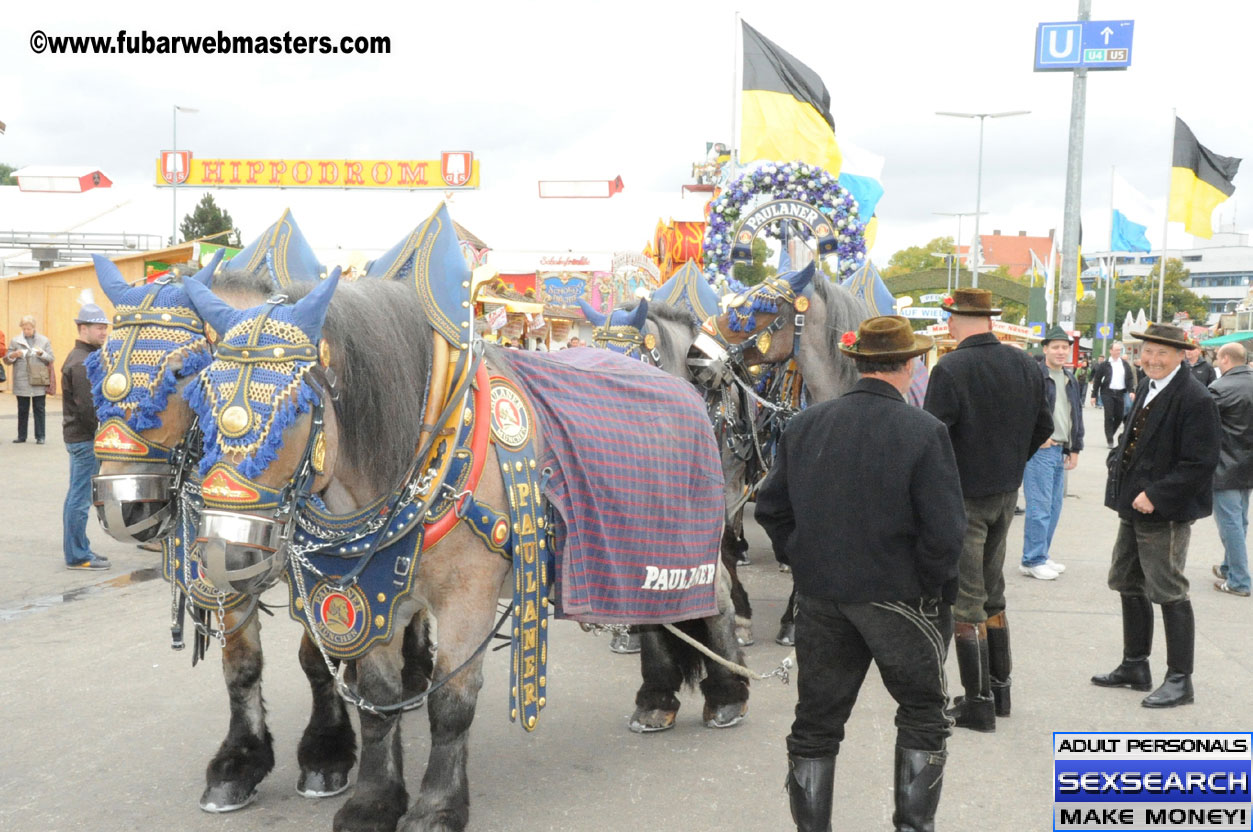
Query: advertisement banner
455	170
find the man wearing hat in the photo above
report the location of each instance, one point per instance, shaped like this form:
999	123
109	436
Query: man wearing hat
78	428
1044	478
864	498
1160	481
991	397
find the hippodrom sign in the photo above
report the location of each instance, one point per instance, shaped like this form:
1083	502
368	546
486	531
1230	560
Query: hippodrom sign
454	169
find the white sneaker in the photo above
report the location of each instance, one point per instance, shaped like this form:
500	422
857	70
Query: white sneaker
1055	566
1040	571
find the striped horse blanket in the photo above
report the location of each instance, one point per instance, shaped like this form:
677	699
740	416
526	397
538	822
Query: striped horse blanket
636	481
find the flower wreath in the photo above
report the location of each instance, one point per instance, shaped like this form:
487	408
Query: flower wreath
787	180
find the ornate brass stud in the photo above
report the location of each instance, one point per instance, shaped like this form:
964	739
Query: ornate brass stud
234	419
319	453
115	385
801	304
763	343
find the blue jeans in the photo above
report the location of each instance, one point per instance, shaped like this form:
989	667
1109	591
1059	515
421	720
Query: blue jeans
1231	513
1044	484
83	466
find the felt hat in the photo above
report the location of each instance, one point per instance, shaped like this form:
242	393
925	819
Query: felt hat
886	339
970	302
1055	333
1168	334
89	313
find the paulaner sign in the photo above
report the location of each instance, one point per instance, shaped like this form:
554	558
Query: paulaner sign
794	210
454	169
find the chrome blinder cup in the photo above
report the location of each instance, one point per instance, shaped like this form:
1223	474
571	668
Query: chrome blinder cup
119	497
240	553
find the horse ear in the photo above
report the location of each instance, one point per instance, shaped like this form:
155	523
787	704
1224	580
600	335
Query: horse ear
637	316
205	275
800	281
310	311
111	280
215	311
596	318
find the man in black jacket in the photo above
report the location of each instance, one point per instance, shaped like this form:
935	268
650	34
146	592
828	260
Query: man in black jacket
991	397
1201	369
1160	482
1113	381
1044	480
1233	480
864	498
78	428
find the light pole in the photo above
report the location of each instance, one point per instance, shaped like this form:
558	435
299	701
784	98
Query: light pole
957	241
977	252
174	208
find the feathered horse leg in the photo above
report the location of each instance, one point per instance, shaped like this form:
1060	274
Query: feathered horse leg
328	747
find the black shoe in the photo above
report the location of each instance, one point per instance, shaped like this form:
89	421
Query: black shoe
976	713
18	441
810	784
1000	697
39	441
1176	690
787	634
1133	673
919	776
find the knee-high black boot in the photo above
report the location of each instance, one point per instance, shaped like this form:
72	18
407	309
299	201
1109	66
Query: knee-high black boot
976	709
810	788
1180	629
919	776
1137	643
1000	663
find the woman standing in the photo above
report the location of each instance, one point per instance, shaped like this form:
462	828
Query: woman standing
30	355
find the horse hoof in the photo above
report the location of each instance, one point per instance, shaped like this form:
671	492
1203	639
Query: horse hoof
725	716
625	643
322	784
744	636
227	797
787	635
742	560
652	721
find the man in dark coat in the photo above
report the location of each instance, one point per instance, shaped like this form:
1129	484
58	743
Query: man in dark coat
78	428
864	499
1160	482
991	397
1114	379
1233	480
1199	367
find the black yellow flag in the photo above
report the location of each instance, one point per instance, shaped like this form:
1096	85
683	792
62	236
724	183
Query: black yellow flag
785	108
1199	180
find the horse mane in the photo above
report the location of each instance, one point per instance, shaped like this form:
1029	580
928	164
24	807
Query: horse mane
381	348
844	312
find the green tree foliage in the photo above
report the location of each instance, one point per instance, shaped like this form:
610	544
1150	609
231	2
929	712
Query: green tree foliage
207	218
1141	293
6	174
759	270
919	258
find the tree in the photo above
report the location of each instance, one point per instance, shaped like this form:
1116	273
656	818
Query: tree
919	258
6	174
1141	293
207	218
758	271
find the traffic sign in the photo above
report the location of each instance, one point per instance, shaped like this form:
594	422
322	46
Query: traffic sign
1083	44
1104	331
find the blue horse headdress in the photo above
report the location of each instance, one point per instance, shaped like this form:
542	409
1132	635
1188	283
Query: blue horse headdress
282	253
621	331
688	289
430	260
157	339
766	296
255	388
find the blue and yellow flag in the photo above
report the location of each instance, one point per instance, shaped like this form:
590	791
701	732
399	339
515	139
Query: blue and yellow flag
785	108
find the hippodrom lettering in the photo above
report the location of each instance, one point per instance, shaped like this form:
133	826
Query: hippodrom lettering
219	43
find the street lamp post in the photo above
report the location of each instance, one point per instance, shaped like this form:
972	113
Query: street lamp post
977	252
174	207
957	251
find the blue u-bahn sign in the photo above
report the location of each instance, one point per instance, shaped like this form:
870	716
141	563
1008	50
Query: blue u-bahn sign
1083	44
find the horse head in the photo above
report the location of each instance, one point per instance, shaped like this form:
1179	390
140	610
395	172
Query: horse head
622	330
762	318
157	345
268	442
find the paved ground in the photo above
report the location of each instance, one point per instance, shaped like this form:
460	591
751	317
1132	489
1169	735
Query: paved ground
106	729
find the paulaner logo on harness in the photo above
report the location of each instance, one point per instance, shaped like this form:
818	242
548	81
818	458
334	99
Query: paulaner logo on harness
340	615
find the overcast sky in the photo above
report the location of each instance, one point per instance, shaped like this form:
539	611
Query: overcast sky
543	90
